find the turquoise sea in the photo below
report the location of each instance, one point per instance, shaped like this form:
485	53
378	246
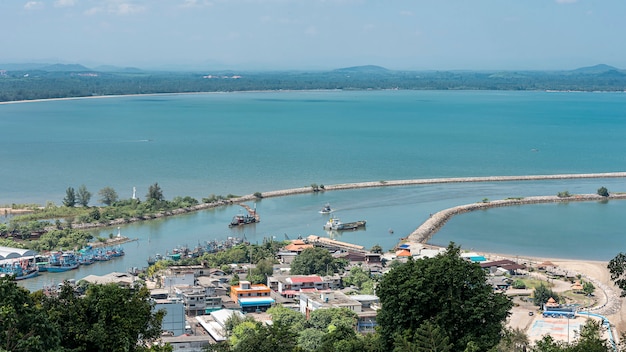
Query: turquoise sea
241	143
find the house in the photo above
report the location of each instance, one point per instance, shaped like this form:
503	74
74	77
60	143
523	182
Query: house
251	297
292	285
291	251
197	300
502	267
365	306
312	301
122	279
499	282
215	323
181	279
197	270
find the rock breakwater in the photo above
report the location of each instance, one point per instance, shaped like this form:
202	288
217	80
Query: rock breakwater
423	233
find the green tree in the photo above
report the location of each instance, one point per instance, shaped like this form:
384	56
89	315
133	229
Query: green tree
83	196
617	268
590	339
359	278
542	294
70	197
155	192
430	337
108	196
588	288
602	191
321	319
314	261
310	339
341	339
24	325
263	269
376	249
446	290
513	340
287	317
107	318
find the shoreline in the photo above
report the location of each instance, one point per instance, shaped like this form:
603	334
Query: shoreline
437	220
424	231
281	90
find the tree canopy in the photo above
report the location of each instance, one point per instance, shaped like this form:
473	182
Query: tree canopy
449	292
83	195
315	261
108	195
24	325
70	197
106	318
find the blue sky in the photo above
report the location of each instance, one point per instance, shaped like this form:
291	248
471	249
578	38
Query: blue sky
316	34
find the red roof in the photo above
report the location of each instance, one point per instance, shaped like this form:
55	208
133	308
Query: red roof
304	279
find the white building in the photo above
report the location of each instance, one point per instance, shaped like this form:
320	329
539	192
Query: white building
215	323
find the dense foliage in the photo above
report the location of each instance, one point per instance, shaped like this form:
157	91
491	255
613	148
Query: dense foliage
105	318
316	261
447	292
40	84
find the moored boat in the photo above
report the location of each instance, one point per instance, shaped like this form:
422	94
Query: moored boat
336	225
62	261
242	219
19	269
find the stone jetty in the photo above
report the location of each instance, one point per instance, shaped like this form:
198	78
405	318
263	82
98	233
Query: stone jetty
423	233
346	186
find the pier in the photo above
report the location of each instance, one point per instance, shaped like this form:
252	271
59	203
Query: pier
335	245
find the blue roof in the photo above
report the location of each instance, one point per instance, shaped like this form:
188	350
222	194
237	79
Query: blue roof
256	301
478	258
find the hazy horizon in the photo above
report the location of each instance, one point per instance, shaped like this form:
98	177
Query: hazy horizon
316	35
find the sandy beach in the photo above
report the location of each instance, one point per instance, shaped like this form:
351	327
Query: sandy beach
609	303
11	211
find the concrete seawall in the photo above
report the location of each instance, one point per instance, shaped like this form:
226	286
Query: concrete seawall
423	233
346	186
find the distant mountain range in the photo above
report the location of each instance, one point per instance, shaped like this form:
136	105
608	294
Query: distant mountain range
365	69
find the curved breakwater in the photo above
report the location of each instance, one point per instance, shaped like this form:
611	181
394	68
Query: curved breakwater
423	233
426	230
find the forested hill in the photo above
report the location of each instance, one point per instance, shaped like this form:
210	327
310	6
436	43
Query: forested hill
30	81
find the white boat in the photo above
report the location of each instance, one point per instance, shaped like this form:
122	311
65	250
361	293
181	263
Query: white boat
336	225
326	209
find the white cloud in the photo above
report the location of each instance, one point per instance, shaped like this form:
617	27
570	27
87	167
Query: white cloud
34	5
126	9
406	13
116	7
565	1
64	3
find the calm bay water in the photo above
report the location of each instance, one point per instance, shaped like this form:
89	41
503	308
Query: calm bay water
241	143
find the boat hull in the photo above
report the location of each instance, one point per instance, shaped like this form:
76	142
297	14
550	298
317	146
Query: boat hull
61	268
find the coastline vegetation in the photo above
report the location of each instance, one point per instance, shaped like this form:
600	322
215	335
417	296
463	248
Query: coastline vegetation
24	83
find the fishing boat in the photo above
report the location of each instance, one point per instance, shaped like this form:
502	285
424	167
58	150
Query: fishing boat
19	269
335	224
326	209
242	219
61	262
245	219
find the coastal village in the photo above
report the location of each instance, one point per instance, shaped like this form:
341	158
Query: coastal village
199	300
